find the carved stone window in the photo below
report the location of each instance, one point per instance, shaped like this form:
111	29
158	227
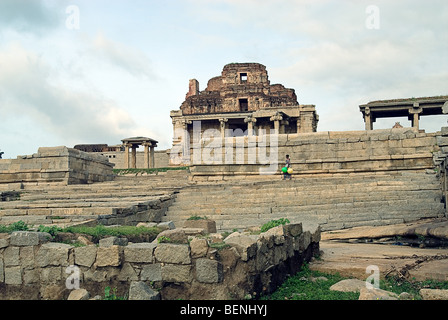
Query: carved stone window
243	77
244	105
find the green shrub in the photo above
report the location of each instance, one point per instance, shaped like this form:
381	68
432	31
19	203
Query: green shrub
273	223
195	217
111	294
16	226
53	230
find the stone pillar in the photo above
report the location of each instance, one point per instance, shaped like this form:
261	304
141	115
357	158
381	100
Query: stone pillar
134	157
146	161
368	119
126	155
277	118
250	125
223	127
152	162
185	143
414	115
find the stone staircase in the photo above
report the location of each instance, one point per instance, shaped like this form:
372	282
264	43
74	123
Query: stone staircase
126	200
333	201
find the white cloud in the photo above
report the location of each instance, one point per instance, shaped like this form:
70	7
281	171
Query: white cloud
71	116
119	55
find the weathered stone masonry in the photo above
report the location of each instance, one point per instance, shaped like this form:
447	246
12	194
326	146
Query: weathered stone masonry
31	267
56	164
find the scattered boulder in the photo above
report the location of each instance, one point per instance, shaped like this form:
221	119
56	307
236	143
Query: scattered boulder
146	224
349	285
166	225
139	290
434	294
79	294
376	294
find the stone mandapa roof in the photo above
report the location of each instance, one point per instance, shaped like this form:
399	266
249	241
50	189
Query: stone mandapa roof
420	99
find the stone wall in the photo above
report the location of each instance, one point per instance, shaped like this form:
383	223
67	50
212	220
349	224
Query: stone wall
441	162
325	152
161	158
56	164
32	267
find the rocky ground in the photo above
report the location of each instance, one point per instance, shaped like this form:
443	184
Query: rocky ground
351	251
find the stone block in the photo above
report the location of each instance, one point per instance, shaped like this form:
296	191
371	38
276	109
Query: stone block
305	240
28	238
176	273
198	247
208	225
434	294
109	256
173	253
11	256
27	257
277	232
85	256
139	290
53	254
151	272
166	225
50	274
13	275
174	235
31	276
246	245
140	252
293	230
113	241
4	242
208	271
127	273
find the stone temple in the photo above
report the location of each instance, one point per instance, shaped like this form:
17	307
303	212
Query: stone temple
242	97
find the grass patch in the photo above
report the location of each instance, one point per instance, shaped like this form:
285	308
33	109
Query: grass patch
16	226
300	287
273	223
147	170
196	217
100	231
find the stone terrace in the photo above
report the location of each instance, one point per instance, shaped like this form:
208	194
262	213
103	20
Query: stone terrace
333	201
126	200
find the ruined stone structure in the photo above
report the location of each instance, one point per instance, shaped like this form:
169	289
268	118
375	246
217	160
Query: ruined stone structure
32	267
56	164
413	108
340	180
126	155
241	100
132	144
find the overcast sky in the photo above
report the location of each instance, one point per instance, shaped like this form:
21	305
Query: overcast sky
97	71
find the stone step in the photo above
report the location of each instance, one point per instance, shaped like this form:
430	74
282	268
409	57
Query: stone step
317	188
301	198
333	202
